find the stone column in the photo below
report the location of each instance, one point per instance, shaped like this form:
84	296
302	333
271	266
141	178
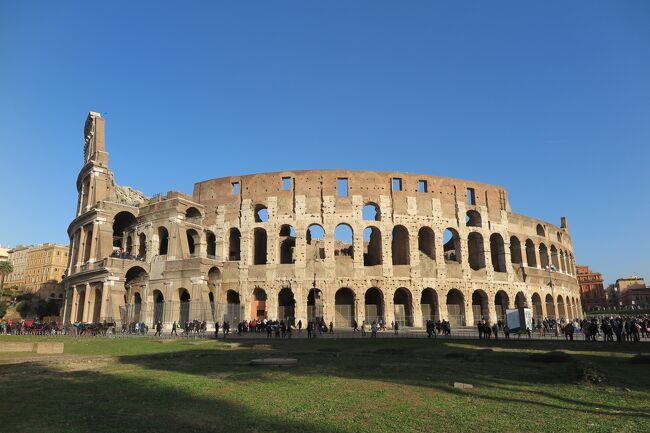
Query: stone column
93	242
88	305
417	310
492	311
469	313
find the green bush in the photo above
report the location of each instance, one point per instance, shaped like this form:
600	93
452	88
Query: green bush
3	309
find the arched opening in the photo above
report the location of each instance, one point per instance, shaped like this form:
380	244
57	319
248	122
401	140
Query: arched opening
550	307
81	301
158	306
184	309
554	258
475	251
426	243
233	308
343	241
520	300
315	242
543	256
97	306
402	302
214	278
192	241
451	248
129	246
287	244
429	305
258	304
473	219
259	246
456	308
371	246
531	259
213	308
261	213
540	230
498	253
123	222
370	212
234	245
501	304
538	312
163	241
314	304
344	307
374	305
562	262
192	213
480	305
137	306
142	246
400	246
515	250
286	305
561	311
211	244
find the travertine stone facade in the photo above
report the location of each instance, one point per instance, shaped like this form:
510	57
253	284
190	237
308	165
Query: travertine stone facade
337	244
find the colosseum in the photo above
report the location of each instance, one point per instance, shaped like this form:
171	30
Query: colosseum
338	244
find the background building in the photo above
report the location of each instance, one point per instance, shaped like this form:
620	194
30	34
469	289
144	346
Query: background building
4	254
592	290
45	266
18	258
633	291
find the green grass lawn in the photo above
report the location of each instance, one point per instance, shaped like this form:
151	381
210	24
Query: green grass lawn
385	385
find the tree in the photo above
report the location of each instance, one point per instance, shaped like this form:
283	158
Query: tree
5	269
3	309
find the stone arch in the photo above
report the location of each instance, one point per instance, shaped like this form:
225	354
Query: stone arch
286	305
456	307
142	246
210	244
473	219
480	307
540	230
515	250
258	304
97	306
344	241
214	278
427	243
287	244
550	307
129	245
158	306
234	245
475	251
400	246
561	311
543	256
531	258
136	301
554	258
316	241
403	305
259	246
163	241
538	312
371	212
501	304
344	302
261	213
184	306
451	246
562	263
498	252
81	301
123	222
192	213
314	304
520	300
193	240
429	305
374	305
372	242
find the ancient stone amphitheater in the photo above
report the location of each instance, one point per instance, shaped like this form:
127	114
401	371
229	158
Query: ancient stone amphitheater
338	244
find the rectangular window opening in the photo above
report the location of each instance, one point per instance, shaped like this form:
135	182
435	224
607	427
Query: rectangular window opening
471	196
286	183
235	188
342	187
422	186
397	184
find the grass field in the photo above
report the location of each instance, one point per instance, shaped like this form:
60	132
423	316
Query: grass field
385	385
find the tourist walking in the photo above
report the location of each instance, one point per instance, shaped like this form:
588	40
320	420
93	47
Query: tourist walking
363	328
331	327
174	326
373	330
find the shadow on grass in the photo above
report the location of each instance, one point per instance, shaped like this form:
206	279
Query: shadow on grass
505	375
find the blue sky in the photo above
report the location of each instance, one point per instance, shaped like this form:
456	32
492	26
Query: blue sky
549	99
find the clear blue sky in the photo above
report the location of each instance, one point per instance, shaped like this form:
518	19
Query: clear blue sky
549	99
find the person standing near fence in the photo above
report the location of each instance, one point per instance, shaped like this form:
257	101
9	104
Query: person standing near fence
373	330
363	328
158	329
174	326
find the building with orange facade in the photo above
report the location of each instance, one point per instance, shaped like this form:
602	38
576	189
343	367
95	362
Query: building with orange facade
592	290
